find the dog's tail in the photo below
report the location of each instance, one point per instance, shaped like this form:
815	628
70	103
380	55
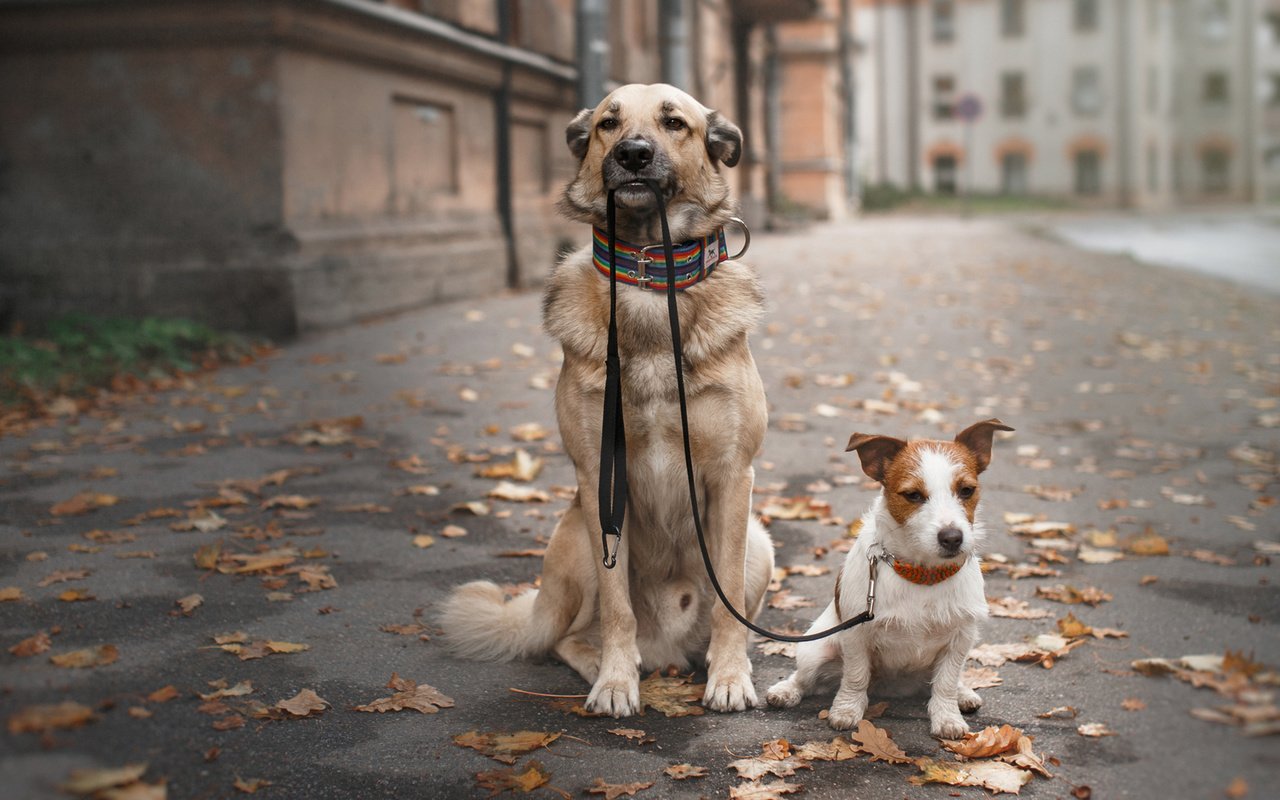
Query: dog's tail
479	624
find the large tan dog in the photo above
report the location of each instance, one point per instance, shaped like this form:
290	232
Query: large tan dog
657	606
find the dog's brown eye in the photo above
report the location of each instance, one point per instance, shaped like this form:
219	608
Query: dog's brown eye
608	123
674	124
965	492
913	497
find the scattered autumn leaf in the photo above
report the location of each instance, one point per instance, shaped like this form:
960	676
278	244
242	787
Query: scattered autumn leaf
190	603
43	718
522	467
32	645
11	594
1132	704
508	780
877	743
75	596
1149	543
775	759
250	786
62	576
671	695
996	776
163	695
89	781
1070	595
1013	608
83	503
763	791
990	741
518	494
505	747
303	704
409	695
612	791
98	656
683	772
1094	730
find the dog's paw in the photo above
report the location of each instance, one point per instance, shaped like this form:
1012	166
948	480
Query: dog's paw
845	714
948	726
970	701
733	692
617	698
784	694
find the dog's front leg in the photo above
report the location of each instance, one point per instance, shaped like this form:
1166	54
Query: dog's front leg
617	688
729	686
850	702
945	721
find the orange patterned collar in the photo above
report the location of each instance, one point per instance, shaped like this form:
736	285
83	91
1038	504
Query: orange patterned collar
922	575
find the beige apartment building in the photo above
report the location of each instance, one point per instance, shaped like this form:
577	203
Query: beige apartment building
1144	103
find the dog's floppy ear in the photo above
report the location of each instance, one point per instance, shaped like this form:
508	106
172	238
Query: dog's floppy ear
578	134
875	452
977	439
724	140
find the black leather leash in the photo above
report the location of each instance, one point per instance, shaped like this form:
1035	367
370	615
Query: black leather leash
613	440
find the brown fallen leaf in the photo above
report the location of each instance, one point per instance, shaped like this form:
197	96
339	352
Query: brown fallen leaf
1094	730
62	576
409	695
1026	758
98	656
996	776
633	734
201	520
43	718
221	690
303	704
508	780
1013	608
363	508
1237	789
163	695
505	747
453	531
684	772
1149	543
1060	712
763	791
229	723
838	749
190	603
32	645
522	467
83	503
671	695
11	594
88	781
612	791
981	678
529	432
990	741
250	786
408	629
786	601
1132	704
795	508
518	494
75	596
1070	595
775	759
138	712
877	743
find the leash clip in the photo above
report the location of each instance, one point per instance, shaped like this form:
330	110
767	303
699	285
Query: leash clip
872	564
610	553
642	262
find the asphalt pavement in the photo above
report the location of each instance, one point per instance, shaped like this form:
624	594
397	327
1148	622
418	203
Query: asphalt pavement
329	492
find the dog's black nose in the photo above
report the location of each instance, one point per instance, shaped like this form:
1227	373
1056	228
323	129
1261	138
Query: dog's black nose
950	538
633	154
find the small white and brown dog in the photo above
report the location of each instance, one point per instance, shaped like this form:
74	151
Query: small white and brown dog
919	538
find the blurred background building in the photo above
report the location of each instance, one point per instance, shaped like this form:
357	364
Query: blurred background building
286	165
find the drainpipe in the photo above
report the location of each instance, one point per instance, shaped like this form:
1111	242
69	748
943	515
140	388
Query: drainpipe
849	105
592	18
673	33
502	137
1124	110
742	99
772	124
913	98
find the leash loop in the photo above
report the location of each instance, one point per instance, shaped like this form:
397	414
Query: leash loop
746	238
613	438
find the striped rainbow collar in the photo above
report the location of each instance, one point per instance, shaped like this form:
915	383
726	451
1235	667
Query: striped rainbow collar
695	260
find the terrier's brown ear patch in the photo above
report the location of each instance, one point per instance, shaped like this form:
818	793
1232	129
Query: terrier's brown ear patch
724	140
875	452
578	134
977	440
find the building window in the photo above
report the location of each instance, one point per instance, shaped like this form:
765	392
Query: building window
1273	28
1216	91
1013	96
944	20
944	97
1088	172
1085	15
1215	20
1215	166
1013	173
944	174
1153	89
1153	168
1086	91
1012	17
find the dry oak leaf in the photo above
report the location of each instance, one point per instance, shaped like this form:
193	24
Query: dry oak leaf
409	695
11	594
408	629
1132	704
190	603
994	655
221	690
1070	595
250	786
201	520
838	749
508	780
522	467
529	432
1094	730
39	719
1013	608
877	743
683	772
1060	712
83	503
996	776
32	645
633	734
1149	543
1026	758
775	759
990	741
303	704
518	494
981	678
795	508
88	781
163	695
505	747
612	791
75	596
98	656
786	601
763	791
62	576
671	695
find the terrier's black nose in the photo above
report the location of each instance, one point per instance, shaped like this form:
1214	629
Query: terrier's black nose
633	154
950	539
